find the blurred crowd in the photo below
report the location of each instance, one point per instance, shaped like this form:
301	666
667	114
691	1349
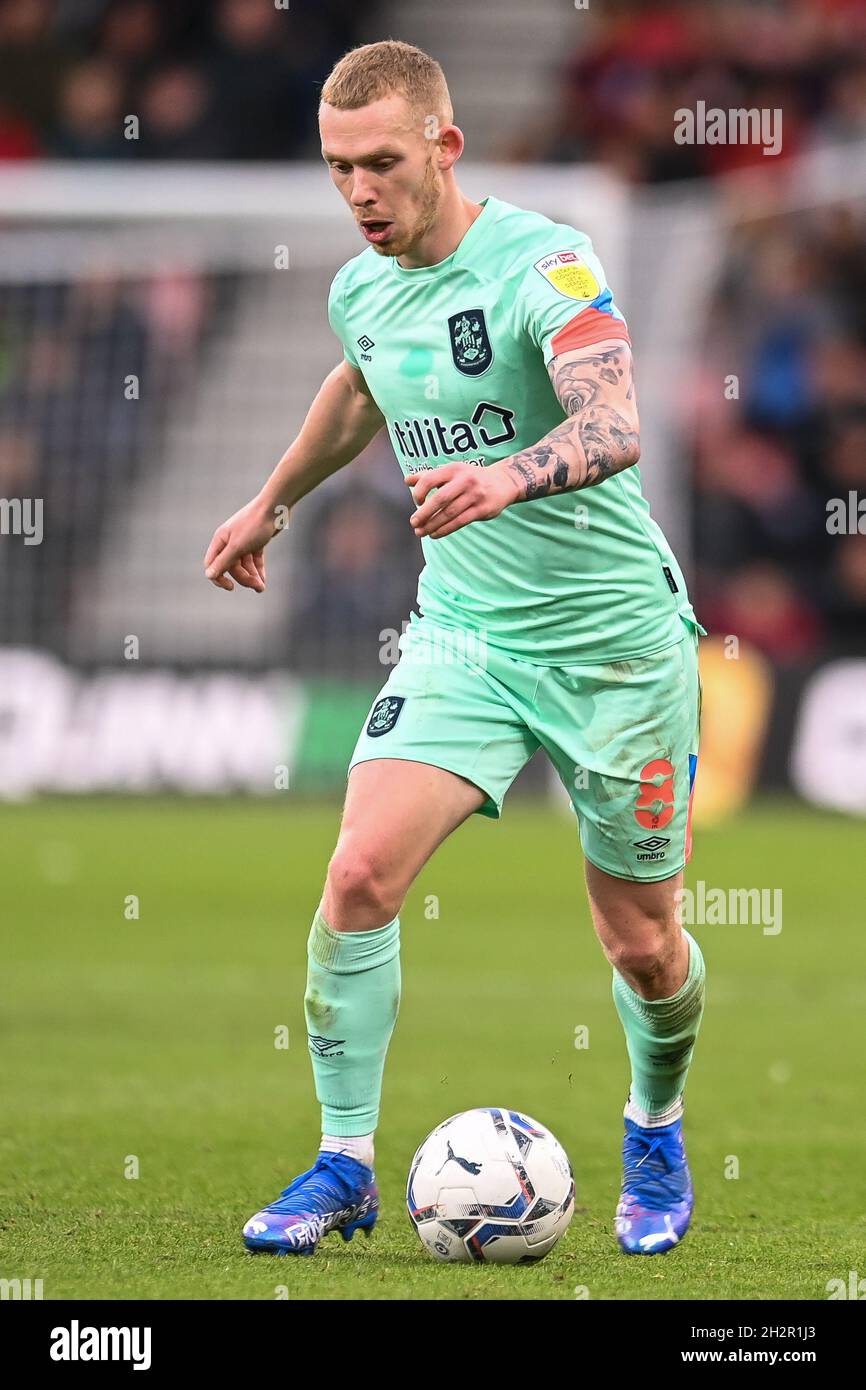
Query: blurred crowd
89	373
206	79
357	570
644	60
236	79
778	431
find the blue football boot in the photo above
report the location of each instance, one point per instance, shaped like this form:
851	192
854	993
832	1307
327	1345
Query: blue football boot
655	1205
337	1194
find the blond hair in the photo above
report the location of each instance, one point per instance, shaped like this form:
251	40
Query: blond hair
376	70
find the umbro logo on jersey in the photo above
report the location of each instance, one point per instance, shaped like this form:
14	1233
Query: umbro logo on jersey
365	343
470	342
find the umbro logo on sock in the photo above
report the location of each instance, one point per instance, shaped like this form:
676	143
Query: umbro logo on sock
325	1047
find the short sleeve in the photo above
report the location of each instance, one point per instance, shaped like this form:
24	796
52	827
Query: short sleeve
567	303
337	316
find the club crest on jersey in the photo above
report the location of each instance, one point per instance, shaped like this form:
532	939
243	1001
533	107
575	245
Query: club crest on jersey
568	274
470	342
384	715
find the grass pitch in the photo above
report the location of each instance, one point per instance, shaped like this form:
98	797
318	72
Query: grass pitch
153	1039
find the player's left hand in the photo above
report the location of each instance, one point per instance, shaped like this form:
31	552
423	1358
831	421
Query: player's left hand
464	493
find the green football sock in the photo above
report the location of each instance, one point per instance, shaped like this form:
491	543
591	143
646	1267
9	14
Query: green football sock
351	1003
660	1035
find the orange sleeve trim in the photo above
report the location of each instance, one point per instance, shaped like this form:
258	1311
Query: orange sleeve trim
588	327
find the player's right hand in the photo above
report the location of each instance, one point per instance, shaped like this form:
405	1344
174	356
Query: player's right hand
237	548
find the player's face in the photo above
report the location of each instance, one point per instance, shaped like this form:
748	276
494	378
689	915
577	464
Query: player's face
383	162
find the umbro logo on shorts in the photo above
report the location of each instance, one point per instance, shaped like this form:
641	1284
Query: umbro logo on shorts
652	842
653	847
324	1047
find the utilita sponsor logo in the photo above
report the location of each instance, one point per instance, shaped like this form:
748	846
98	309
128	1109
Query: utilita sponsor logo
431	437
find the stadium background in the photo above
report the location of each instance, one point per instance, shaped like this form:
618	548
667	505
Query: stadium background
167	238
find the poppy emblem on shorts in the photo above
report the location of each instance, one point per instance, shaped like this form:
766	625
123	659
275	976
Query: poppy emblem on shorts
654	807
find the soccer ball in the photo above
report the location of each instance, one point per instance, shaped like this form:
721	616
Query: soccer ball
492	1186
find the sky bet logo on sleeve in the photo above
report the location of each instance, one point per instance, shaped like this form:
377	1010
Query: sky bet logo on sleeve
567	273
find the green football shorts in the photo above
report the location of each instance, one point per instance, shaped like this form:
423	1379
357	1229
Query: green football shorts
623	736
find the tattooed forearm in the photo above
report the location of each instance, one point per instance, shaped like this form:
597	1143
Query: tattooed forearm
599	439
577	380
609	443
545	467
575	391
579	453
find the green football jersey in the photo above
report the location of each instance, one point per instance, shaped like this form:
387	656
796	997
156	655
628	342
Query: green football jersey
455	356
